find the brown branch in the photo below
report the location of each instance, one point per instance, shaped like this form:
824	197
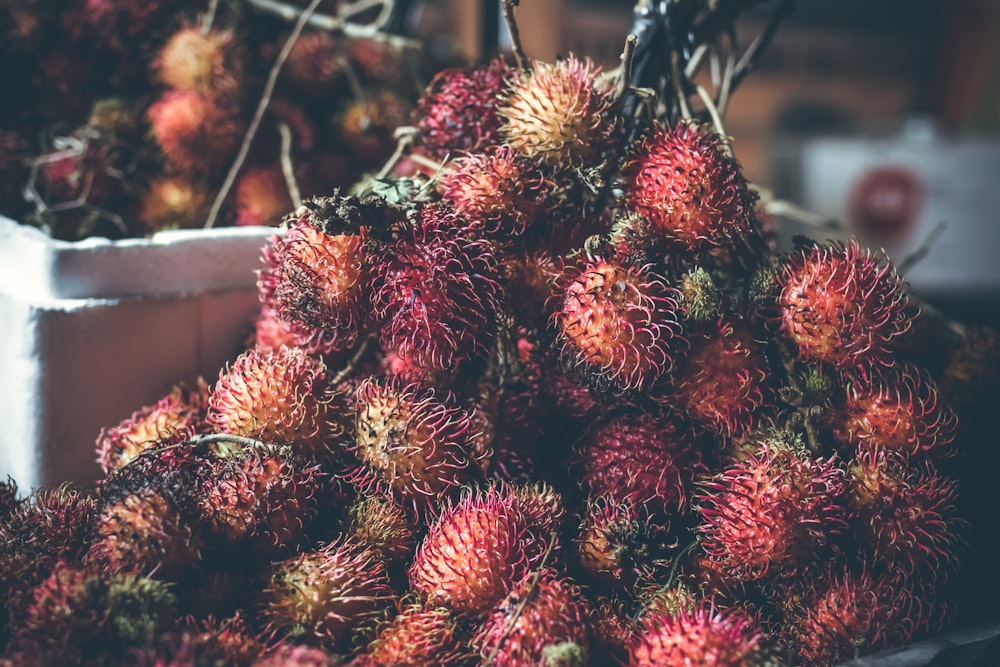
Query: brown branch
627	58
287	168
209	18
923	249
682	102
515	34
337	23
265	99
352	362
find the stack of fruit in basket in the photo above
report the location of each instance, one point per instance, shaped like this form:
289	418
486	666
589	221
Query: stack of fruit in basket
125	119
556	403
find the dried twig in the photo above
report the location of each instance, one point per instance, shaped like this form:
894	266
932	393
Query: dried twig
627	58
515	34
352	362
339	23
265	99
923	249
287	168
403	141
679	86
209	18
716	118
756	48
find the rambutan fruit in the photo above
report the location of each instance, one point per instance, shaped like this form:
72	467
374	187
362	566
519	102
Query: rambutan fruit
9	501
144	523
971	375
210	641
497	190
436	293
772	513
612	628
730	638
326	596
271	331
619	325
260	496
172	202
367	126
172	420
643	459
472	552
418	637
532	281
383	524
262	197
840	615
81	616
721	381
544	620
314	66
904	514
842	304
322	280
193	60
457	111
700	300
278	397
896	408
411	439
288	654
196	133
557	114
691	192
618	541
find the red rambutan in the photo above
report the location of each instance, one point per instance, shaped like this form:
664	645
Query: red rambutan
895	408
436	293
326	596
619	325
411	440
688	189
544	620
418	637
314	66
196	133
172	202
457	112
261	197
279	397
556	114
642	459
272	332
193	60
772	513
842	304
383	524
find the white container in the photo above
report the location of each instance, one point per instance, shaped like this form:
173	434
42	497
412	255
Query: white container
91	331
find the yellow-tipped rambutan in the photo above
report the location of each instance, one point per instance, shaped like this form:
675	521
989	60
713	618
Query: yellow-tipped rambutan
555	113
262	197
203	62
173	202
382	523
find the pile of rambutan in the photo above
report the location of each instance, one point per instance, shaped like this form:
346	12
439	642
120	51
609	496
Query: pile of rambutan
123	119
555	401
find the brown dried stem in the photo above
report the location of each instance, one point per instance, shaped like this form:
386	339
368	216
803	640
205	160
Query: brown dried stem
340	23
287	168
515	34
209	18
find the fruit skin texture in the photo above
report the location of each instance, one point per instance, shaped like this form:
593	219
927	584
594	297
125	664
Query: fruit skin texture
277	397
842	304
554	618
904	513
411	439
173	419
197	133
418	637
201	62
436	292
704	636
458	113
322	597
618	325
261	197
555	114
472	553
690	192
641	459
898	409
497	190
771	513
722	379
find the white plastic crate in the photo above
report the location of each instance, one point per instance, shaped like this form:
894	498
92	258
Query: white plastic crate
93	330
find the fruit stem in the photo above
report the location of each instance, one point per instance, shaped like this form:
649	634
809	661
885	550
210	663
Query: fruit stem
515	34
287	168
352	362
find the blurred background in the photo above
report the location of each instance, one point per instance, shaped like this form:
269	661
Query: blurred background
881	115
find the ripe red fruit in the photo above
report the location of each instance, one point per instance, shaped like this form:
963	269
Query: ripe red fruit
411	439
472	553
279	397
721	381
618	542
727	638
324	596
173	419
619	325
262	197
383	524
497	190
196	133
771	513
419	637
556	114
203	62
173	202
315	65
436	292
457	112
895	408
904	514
272	332
842	304
544	620
688	189
642	459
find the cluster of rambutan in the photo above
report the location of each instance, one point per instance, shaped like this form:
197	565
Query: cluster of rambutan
558	404
125	120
